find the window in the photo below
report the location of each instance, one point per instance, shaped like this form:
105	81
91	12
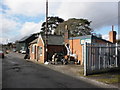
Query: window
33	49
40	49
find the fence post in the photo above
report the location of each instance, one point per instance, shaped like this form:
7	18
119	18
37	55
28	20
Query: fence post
85	59
99	57
116	49
83	54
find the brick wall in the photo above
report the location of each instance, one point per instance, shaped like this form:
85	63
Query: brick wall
76	48
41	57
33	54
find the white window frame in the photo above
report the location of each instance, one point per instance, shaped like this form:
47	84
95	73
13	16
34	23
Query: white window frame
33	48
41	50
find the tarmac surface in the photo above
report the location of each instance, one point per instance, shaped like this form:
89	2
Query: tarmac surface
0	73
77	72
19	73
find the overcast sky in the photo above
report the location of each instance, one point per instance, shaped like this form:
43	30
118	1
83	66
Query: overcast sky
24	17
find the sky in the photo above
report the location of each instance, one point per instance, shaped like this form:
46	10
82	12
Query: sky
24	17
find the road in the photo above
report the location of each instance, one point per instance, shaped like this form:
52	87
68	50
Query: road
0	73
19	73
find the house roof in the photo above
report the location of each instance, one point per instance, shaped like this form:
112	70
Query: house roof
81	37
34	41
28	37
24	38
54	39
89	36
94	37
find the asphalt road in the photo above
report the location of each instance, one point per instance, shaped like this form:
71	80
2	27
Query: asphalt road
19	73
0	73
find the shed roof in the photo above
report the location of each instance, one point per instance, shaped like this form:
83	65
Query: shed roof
28	37
94	37
81	37
89	36
24	38
54	39
34	41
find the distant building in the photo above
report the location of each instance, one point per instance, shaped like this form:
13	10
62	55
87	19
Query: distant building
23	43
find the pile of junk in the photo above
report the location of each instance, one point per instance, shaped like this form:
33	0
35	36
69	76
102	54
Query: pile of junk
65	58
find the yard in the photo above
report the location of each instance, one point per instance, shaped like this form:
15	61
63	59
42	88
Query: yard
110	77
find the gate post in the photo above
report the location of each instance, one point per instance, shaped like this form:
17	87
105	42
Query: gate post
85	59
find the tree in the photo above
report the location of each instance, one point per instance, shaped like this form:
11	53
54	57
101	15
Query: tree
76	27
10	45
52	24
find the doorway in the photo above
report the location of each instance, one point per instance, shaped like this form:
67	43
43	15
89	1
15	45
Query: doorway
38	53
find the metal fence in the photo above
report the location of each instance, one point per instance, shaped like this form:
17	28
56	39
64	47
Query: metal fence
99	57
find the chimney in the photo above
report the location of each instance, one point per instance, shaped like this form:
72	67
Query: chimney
66	40
112	35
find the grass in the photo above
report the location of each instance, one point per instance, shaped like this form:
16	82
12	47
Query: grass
110	77
81	72
109	81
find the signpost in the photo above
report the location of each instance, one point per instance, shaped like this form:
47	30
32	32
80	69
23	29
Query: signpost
87	40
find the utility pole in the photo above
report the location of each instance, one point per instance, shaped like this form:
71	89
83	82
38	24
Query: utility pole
46	32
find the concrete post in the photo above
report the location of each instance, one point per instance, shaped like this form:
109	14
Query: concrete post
85	59
116	51
99	57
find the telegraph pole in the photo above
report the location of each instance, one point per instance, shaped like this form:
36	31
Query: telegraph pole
46	32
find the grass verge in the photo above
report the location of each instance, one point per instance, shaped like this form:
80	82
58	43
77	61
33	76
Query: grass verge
111	76
109	81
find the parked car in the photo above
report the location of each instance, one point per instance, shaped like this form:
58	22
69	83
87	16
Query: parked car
23	51
14	50
1	54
